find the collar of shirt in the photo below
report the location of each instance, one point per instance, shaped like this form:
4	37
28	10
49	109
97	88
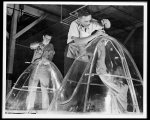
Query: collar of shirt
81	26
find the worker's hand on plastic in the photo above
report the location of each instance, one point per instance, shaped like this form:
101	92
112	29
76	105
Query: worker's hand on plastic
101	33
45	61
106	23
104	34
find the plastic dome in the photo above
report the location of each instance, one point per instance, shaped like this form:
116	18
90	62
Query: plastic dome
34	89
104	79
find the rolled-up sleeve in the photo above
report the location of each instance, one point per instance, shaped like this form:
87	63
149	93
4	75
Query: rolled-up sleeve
73	31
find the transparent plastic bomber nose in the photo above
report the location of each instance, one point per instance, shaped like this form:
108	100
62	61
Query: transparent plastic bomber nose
34	89
104	79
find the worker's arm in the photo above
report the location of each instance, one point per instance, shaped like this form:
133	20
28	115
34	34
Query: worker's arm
106	23
48	52
85	40
34	45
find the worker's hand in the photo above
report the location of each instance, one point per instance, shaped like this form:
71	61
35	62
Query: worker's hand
106	23
100	33
34	45
45	61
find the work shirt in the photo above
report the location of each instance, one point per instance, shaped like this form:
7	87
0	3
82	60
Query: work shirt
77	30
43	51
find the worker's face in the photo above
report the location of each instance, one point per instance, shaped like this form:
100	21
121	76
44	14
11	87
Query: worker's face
46	39
85	20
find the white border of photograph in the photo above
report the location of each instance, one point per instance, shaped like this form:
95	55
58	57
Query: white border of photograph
72	115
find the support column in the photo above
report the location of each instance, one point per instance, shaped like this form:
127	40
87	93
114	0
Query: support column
12	47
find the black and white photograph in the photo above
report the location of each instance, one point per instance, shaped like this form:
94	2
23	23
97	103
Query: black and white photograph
74	59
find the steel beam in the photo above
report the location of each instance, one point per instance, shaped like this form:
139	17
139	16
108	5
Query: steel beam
129	36
34	12
132	32
30	26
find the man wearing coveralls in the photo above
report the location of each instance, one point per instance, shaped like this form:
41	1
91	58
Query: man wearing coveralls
42	51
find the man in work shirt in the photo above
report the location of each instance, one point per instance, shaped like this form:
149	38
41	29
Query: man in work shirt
43	49
80	33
